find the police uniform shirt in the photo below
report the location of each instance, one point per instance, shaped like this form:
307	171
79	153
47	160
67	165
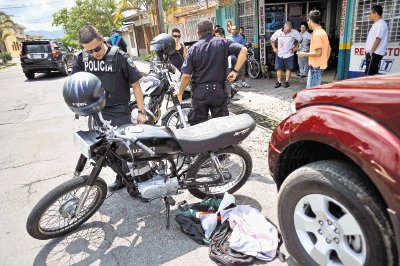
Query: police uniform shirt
116	78
206	60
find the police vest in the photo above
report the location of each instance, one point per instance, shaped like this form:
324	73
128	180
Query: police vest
109	71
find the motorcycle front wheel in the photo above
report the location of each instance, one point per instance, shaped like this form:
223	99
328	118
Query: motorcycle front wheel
55	214
236	164
254	69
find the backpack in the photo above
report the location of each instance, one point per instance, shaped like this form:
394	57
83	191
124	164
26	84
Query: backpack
188	219
222	254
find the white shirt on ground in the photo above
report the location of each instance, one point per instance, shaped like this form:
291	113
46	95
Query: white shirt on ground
285	42
378	30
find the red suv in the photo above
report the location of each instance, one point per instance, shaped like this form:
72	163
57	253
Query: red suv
336	162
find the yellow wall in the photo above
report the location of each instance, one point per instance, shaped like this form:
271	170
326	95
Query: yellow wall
12	44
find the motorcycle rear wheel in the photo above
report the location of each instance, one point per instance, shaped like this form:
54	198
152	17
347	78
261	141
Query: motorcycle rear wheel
234	160
62	201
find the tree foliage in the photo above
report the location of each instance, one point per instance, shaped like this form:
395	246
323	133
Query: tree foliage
6	24
95	12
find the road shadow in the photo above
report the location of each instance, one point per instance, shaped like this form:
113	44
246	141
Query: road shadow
135	231
261	178
46	76
129	233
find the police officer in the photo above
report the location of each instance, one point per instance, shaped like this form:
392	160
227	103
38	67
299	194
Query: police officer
117	73
206	65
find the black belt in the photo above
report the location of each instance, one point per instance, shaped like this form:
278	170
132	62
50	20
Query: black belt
209	86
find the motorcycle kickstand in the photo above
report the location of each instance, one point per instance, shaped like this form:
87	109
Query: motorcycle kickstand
169	201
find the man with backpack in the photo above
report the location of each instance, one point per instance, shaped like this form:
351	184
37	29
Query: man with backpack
117	40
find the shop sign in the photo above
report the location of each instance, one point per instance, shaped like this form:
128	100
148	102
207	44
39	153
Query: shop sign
390	63
343	18
262	51
261	12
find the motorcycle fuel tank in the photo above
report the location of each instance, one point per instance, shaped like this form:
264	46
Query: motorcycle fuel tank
160	139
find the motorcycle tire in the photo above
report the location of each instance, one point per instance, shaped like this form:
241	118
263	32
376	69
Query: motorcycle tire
254	69
168	119
34	224
204	163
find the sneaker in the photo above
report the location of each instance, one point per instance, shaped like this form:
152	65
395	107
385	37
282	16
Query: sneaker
299	75
278	84
237	84
245	85
286	84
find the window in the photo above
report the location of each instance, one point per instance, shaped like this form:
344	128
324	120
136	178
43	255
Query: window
391	14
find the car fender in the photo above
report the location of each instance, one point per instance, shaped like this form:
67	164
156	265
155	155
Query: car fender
375	149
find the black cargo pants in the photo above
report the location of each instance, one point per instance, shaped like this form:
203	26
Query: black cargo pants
205	100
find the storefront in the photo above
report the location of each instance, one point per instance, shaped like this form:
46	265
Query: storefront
274	14
360	28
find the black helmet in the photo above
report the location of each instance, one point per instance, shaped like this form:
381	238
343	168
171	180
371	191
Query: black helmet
84	94
163	44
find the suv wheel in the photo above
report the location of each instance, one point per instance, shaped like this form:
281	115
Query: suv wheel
29	75
328	216
64	70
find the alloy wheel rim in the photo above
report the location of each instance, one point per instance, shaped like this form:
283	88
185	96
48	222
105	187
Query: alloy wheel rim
328	232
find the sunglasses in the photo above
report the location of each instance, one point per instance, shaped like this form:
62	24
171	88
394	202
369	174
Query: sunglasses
97	49
176	36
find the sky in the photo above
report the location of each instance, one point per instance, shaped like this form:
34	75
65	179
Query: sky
34	14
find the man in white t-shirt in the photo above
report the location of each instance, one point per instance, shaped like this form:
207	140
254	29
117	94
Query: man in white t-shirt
284	52
376	42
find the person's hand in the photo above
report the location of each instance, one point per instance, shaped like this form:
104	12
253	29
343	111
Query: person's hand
300	54
294	50
276	50
141	118
178	94
232	76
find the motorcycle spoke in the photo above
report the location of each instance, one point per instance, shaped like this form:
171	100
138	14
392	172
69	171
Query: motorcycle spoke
52	219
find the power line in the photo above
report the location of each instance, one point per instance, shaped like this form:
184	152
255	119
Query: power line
23	6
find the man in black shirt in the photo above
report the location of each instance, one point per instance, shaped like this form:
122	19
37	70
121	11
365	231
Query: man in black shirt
206	65
117	73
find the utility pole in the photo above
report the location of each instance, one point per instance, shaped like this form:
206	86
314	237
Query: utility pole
160	15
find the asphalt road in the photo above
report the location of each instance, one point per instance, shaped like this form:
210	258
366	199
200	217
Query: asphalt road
38	153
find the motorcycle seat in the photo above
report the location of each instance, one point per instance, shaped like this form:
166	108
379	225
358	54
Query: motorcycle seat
216	133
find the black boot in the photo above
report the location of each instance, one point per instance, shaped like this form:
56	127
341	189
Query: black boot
116	185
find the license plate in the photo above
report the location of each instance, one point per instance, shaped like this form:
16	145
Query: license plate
86	140
37	56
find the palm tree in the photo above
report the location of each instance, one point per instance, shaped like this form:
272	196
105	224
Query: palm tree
5	24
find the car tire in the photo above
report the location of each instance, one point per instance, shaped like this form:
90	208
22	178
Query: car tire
328	213
29	75
64	69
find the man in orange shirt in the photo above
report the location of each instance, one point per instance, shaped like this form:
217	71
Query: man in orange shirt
320	50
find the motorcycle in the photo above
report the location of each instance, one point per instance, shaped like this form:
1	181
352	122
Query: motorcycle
156	87
219	165
253	66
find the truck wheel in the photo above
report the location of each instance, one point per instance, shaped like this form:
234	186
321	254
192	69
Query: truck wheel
64	69
329	216
29	75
